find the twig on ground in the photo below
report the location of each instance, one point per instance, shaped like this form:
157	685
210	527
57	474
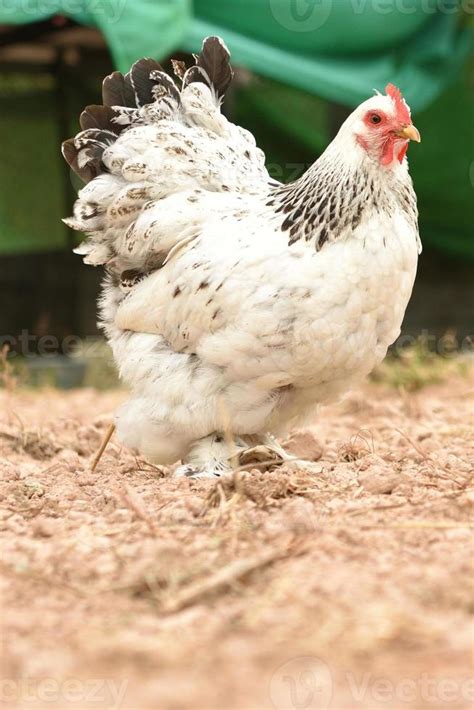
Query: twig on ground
223	578
103	446
135	505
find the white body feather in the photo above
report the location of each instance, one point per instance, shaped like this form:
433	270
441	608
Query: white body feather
291	332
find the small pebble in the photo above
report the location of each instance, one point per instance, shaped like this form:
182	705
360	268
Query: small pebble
44	527
303	444
379	482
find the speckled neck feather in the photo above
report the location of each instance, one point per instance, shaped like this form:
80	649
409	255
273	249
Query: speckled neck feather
333	195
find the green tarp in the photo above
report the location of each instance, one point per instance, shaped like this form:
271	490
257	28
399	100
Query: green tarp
308	50
338	49
132	28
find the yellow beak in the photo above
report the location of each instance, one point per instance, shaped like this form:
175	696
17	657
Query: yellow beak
410	132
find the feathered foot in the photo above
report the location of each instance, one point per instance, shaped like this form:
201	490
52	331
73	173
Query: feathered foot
210	470
268	453
211	457
214	456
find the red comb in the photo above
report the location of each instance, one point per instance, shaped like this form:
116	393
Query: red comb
403	112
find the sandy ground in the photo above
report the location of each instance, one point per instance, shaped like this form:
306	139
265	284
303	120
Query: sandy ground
346	587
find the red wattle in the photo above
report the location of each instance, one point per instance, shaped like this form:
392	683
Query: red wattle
387	152
402	152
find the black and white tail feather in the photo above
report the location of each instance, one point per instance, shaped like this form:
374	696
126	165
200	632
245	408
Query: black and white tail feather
124	95
212	67
149	142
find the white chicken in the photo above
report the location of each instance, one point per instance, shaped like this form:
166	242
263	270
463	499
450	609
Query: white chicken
235	304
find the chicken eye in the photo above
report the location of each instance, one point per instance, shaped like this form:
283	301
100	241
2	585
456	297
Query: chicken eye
375	118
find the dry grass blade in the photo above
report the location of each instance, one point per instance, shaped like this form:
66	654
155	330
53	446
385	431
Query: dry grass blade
417	448
135	505
222	579
428	459
261	489
227	432
364	511
103	446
